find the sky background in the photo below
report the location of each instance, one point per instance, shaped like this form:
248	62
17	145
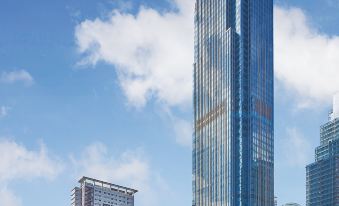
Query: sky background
103	88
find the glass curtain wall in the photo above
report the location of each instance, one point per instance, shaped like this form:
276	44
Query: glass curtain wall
233	103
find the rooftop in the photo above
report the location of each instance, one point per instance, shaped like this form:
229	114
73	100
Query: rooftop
111	186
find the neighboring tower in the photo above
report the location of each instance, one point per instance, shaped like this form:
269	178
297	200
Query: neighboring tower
322	177
94	192
233	140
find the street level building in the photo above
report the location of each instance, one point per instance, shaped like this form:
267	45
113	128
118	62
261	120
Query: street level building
233	152
92	192
291	204
322	176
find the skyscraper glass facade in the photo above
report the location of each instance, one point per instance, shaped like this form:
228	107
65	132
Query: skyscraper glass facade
233	103
322	176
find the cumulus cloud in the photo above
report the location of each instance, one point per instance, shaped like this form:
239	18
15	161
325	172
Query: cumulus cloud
297	149
131	168
17	76
306	60
151	51
18	162
7	198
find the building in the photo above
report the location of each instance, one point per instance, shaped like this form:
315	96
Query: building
275	201
322	176
291	204
233	157
92	192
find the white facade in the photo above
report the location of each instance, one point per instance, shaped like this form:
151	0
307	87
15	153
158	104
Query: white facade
94	192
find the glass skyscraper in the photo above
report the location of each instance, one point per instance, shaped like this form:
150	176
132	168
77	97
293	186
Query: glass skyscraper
233	103
322	176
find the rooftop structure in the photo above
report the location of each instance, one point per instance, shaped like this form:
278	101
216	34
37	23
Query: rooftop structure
111	186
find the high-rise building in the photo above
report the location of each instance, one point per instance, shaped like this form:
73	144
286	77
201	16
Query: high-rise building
233	103
322	176
92	192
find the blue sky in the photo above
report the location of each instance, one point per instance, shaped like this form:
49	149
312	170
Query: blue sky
102	88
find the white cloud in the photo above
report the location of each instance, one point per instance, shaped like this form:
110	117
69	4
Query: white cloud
4	111
153	54
306	61
130	169
297	150
151	51
17	76
97	162
7	198
17	162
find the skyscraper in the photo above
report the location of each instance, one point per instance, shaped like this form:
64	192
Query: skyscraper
322	176
233	103
94	192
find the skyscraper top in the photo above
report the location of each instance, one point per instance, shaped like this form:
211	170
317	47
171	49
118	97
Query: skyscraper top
335	110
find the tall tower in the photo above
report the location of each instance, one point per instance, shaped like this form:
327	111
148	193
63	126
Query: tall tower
322	176
233	103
